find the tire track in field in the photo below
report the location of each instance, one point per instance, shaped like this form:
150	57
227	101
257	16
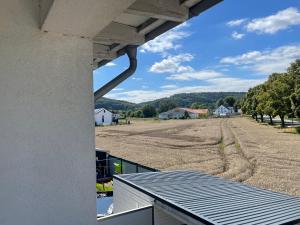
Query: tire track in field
222	150
236	165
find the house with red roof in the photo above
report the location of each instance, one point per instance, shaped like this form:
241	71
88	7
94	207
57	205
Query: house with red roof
179	113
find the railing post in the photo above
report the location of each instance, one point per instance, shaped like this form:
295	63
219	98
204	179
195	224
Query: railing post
121	166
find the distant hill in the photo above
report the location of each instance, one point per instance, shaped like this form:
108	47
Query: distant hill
112	104
208	99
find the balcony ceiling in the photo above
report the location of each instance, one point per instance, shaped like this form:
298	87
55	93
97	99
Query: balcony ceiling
114	24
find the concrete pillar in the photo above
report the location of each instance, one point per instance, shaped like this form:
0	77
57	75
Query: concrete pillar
47	154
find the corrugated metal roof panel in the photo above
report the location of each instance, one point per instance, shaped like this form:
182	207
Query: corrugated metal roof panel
216	200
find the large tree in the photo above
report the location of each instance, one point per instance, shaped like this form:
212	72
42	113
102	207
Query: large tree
196	105
294	73
238	105
264	103
250	102
229	101
257	91
220	102
138	113
246	102
149	111
295	102
280	90
278	96
166	105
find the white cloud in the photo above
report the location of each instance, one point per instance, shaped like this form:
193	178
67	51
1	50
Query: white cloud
274	23
118	89
145	86
110	64
195	75
214	85
137	78
237	36
246	58
169	86
166	41
172	64
234	23
266	62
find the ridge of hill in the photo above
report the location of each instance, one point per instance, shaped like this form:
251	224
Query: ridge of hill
207	99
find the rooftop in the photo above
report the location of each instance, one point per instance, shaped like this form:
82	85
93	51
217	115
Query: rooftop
214	200
199	111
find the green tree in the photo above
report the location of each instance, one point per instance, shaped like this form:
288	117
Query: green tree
148	111
264	103
220	102
138	114
129	113
186	115
250	102
257	103
294	72
295	102
123	115
166	105
229	101
278	96
237	105
196	105
281	88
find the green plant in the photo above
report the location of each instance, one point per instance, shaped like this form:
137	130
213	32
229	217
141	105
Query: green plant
103	187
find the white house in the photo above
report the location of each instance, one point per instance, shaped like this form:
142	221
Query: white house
163	116
176	113
222	111
104	117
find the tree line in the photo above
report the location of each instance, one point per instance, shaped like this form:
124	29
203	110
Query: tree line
278	96
148	110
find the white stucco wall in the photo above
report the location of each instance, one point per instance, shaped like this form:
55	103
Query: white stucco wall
47	154
141	216
128	198
162	218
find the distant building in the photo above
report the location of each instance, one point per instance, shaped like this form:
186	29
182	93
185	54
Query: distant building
164	116
196	113
176	113
223	111
231	110
105	117
179	113
115	117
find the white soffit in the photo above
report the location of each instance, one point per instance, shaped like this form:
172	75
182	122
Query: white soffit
160	9
190	3
131	20
83	17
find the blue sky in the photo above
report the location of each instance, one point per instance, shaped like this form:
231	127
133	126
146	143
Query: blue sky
231	47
